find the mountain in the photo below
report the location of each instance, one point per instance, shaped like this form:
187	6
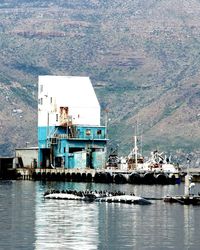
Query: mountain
143	57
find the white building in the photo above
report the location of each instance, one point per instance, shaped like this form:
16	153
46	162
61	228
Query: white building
65	99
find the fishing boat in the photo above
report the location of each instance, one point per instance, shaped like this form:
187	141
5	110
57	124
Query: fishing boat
157	169
156	163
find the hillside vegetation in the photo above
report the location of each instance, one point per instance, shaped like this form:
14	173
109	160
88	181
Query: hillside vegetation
143	57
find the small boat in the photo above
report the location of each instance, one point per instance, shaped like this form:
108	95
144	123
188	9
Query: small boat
188	198
184	200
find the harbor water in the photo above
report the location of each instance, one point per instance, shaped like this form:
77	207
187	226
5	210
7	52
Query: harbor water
28	221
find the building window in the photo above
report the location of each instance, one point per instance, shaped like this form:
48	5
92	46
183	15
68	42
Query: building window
41	101
99	132
88	132
51	99
57	117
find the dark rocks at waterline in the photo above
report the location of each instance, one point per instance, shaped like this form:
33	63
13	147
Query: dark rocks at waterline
76	177
159	179
120	179
149	178
173	180
98	177
103	178
135	178
89	177
107	177
162	179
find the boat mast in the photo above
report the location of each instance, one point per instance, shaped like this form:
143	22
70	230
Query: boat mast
135	151
135	145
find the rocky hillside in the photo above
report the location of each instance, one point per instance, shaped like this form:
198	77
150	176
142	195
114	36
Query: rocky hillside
143	57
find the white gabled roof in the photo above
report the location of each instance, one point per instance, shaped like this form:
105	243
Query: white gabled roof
71	91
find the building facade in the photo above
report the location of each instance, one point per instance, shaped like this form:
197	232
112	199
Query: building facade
26	157
69	130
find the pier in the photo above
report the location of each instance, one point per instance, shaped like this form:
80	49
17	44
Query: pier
97	176
194	172
104	176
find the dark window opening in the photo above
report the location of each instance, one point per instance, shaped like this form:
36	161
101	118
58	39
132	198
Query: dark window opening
72	150
58	162
99	132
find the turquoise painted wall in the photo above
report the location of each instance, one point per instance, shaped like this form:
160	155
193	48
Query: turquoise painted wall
68	142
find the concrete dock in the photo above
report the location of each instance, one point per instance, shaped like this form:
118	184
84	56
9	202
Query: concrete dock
97	176
195	173
103	175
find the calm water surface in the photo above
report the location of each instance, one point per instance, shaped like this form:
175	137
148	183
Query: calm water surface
27	221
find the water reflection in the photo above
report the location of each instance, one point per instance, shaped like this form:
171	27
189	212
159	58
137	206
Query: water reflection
30	222
191	223
17	215
75	224
66	225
